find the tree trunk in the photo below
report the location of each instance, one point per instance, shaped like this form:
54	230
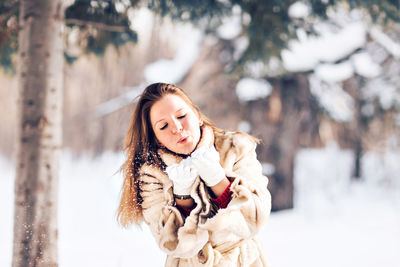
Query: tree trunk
358	126
212	91
40	74
284	122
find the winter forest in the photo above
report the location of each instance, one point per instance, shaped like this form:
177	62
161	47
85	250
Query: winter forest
317	81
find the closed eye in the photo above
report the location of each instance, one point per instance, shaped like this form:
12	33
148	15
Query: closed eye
181	117
164	127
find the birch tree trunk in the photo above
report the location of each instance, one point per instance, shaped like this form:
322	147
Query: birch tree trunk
40	74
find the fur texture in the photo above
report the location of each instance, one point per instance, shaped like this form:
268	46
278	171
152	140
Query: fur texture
208	236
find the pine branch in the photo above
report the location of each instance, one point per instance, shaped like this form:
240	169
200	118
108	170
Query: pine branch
12	11
102	26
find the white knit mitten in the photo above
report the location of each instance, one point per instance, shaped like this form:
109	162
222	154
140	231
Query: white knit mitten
206	162
183	176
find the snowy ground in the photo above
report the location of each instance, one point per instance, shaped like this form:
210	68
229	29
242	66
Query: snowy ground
335	223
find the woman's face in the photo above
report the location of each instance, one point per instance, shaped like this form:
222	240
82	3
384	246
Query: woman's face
175	124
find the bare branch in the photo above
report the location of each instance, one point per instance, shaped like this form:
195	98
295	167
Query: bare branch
102	26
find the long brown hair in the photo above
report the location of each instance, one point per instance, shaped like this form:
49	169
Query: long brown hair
140	146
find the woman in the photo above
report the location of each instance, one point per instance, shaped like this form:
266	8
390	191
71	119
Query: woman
199	188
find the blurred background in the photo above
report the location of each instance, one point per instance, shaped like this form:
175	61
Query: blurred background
317	81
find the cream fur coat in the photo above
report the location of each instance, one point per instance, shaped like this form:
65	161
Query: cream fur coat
210	236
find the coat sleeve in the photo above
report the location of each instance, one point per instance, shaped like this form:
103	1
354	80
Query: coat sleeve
250	206
175	235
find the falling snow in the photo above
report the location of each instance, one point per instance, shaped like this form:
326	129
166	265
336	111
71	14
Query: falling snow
334	223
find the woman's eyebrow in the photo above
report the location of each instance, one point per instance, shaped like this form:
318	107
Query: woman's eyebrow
179	110
159	121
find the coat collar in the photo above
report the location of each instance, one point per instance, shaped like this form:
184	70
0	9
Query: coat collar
206	139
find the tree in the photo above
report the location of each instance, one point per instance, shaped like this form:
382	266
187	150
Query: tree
101	23
39	38
40	73
98	24
8	32
266	24
268	27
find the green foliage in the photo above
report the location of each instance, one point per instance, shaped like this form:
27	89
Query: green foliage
8	47
381	11
69	58
319	7
100	24
8	34
267	30
270	26
190	11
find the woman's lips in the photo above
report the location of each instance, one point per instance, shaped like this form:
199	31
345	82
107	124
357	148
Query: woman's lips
183	140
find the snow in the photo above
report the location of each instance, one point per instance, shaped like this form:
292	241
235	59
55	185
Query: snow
329	184
299	58
7	174
173	71
244	126
163	70
335	222
365	66
240	45
386	93
343	43
119	102
141	21
391	46
332	62
304	54
260	69
267	168
120	7
331	58
248	89
333	73
298	10
337	103
387	174
255	69
231	26
88	232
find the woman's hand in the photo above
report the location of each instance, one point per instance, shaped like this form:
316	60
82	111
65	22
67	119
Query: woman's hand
206	162
183	176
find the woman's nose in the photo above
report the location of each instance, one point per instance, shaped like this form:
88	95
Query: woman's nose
176	127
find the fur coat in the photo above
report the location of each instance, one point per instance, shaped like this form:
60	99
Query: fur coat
209	236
